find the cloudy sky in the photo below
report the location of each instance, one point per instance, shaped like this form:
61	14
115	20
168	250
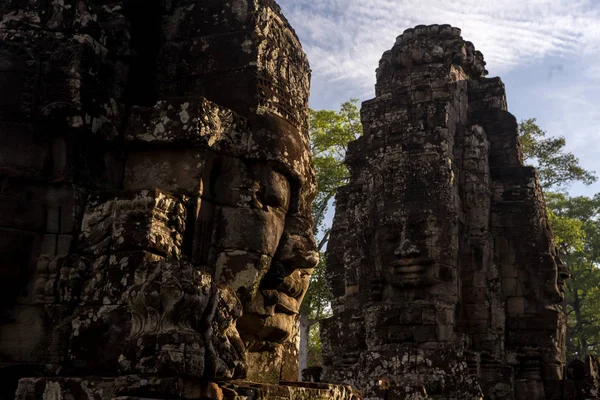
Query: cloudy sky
546	51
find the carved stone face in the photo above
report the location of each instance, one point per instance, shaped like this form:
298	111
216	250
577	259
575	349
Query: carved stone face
265	250
411	250
270	315
561	279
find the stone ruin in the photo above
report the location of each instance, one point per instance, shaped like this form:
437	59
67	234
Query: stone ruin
155	226
442	265
155	231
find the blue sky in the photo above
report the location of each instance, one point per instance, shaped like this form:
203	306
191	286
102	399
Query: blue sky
546	52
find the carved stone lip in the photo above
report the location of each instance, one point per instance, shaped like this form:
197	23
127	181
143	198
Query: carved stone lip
283	303
411	265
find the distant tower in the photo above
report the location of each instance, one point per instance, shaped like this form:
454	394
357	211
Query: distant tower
441	262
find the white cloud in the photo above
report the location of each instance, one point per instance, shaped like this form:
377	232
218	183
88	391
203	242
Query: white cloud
547	51
344	39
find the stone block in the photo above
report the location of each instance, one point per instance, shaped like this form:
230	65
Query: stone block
49	245
111	277
61	209
474	295
480	279
208	55
24	153
66	388
17	82
67	76
177	171
510	287
34	334
262	239
425	333
169	322
241	269
22	206
478	311
61	168
184	122
400	334
235	184
445	333
18	252
515	305
477	326
64	245
99	165
508	270
147	387
191	19
45	280
98	337
149	220
285	103
272	360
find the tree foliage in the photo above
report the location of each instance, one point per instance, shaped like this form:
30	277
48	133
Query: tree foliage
316	307
575	222
316	301
557	168
576	225
330	133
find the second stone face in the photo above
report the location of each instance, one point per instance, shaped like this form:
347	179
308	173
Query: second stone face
430	260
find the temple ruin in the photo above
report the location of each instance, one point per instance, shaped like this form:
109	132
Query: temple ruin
156	237
444	271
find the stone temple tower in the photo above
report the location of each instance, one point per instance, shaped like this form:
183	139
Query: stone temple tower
443	267
155	200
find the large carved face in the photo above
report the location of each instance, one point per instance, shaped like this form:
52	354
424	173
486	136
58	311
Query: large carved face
412	250
412	219
264	248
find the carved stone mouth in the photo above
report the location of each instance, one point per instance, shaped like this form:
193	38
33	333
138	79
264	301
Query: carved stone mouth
411	265
283	303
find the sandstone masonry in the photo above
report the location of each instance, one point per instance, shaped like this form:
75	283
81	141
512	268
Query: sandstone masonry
155	229
443	268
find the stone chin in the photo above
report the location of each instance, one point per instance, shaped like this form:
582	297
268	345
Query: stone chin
260	332
270	318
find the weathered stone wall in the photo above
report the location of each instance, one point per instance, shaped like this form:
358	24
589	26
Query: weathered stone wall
444	272
156	193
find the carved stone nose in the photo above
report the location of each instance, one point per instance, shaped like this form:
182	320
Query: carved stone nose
407	249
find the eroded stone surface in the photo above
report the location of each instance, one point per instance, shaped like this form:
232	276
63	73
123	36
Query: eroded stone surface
141	388
444	272
156	219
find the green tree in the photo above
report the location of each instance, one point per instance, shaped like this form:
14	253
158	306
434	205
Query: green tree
575	222
557	168
576	225
330	133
